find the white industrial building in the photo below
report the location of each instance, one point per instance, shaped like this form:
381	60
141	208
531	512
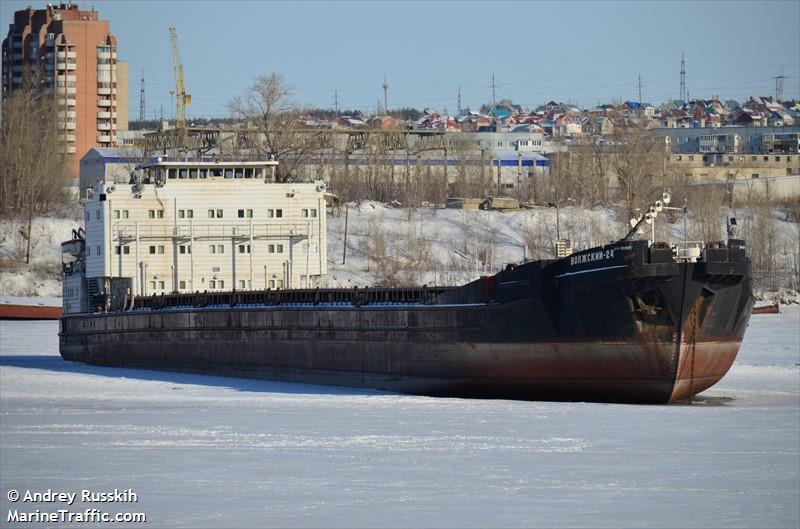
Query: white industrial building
199	226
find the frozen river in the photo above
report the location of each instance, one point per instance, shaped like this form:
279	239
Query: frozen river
218	452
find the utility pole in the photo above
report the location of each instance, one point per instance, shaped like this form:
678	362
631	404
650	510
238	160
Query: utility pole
779	86
141	99
385	95
683	78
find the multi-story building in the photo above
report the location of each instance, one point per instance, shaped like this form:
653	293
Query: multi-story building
74	53
729	139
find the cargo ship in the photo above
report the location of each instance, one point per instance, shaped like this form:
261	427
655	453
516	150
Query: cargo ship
633	321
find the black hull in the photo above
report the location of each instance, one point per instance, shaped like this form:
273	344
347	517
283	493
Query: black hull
627	326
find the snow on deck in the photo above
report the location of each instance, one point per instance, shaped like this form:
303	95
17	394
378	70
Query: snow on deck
204	451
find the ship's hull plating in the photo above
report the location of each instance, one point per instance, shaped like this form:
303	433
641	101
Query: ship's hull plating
648	333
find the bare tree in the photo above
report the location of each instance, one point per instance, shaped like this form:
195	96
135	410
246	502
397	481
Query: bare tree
639	161
267	110
33	163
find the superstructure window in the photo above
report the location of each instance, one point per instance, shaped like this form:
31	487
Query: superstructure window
156	249
245	213
274	213
275	248
185	248
216	248
244	248
185	213
155	213
309	213
215	213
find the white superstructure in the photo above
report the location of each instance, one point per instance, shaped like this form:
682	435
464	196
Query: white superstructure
201	226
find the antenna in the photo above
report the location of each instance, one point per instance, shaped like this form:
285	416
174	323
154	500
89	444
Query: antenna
683	77
141	99
385	95
779	86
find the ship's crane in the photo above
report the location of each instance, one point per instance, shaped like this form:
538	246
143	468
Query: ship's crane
181	97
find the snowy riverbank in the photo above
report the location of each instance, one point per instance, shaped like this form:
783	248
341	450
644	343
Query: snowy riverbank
388	245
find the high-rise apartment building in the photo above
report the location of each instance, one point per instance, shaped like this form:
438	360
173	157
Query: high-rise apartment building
74	53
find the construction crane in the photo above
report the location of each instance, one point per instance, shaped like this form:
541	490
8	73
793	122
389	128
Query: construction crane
181	97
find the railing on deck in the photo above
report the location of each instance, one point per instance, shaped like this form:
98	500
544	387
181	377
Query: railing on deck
356	297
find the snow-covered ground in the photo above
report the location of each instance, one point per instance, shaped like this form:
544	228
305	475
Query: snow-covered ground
218	452
387	245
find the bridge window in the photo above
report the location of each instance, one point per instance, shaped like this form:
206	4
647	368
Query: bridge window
183	174
238	172
248	172
228	173
215	173
192	173
259	172
203	173
172	174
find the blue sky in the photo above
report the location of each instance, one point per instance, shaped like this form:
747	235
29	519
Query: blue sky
583	52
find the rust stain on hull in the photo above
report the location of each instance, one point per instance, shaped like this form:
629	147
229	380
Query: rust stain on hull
701	365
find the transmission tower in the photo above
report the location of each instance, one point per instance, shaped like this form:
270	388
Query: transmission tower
494	104
336	102
459	99
640	92
683	78
779	86
141	99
